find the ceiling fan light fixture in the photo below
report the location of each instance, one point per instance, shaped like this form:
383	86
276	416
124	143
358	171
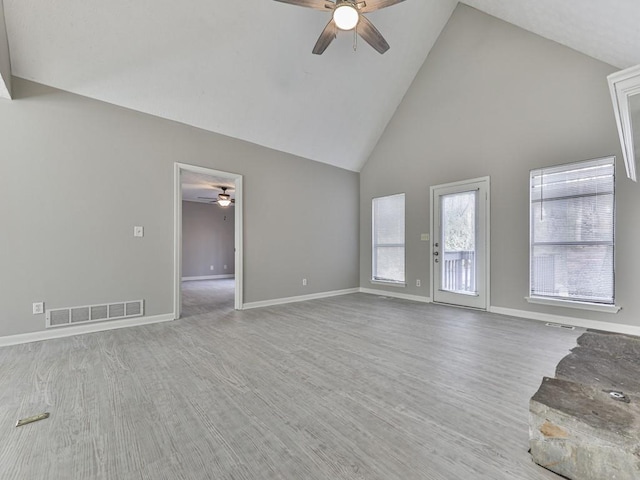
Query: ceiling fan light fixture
346	17
224	200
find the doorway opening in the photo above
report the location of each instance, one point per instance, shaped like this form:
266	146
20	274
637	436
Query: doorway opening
207	240
460	249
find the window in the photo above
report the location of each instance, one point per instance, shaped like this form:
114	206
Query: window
388	239
572	232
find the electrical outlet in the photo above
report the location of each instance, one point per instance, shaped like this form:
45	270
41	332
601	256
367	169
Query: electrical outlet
211	268
138	231
304	282
417	282
38	308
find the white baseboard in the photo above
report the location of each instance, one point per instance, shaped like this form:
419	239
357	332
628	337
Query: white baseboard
573	321
209	277
82	329
404	296
299	298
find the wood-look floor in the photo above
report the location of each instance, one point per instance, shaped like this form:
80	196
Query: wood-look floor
352	387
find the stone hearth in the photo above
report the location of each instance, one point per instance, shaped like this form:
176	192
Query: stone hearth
585	423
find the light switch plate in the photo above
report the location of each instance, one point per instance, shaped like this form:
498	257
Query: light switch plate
424	237
138	231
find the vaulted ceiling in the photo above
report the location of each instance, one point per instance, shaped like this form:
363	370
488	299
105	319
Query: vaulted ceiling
245	68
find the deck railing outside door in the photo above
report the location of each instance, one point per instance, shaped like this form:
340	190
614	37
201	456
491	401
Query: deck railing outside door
459	271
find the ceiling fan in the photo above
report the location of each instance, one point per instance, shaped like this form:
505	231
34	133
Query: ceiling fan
348	15
223	199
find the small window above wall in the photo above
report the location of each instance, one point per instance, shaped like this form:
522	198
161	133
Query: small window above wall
572	218
388	259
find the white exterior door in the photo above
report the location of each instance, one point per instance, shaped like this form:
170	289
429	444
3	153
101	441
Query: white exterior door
460	246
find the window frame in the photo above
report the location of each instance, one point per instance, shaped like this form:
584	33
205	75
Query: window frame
563	301
374	246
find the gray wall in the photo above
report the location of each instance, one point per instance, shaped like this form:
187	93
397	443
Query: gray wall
207	239
76	175
493	99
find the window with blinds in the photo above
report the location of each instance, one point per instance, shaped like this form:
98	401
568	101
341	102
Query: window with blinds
572	232
388	239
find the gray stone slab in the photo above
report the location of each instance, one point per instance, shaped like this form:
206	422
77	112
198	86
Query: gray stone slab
608	361
628	345
579	431
585	424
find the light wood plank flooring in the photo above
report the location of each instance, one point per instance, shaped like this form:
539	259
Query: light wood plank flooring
351	387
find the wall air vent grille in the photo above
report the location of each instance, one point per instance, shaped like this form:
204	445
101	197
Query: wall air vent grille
133	308
116	310
99	312
59	317
81	314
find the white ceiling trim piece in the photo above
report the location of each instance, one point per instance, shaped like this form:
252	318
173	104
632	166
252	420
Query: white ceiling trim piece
5	62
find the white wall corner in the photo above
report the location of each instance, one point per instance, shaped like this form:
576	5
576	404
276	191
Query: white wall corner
5	61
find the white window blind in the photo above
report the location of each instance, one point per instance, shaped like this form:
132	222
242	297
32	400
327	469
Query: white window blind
388	238
572	231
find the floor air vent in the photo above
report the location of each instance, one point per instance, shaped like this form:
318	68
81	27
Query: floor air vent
559	325
94	313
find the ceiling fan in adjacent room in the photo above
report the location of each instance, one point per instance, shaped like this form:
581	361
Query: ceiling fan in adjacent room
348	15
223	199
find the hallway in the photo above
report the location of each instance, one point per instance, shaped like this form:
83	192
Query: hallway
207	296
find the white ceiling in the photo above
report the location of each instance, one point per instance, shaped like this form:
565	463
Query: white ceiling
245	68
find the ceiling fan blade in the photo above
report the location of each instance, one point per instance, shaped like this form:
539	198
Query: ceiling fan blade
373	5
315	4
371	35
326	37
207	198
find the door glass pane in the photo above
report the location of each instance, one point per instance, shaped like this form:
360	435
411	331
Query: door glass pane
458	262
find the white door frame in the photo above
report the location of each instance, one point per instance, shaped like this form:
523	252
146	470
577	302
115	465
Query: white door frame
177	231
487	250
